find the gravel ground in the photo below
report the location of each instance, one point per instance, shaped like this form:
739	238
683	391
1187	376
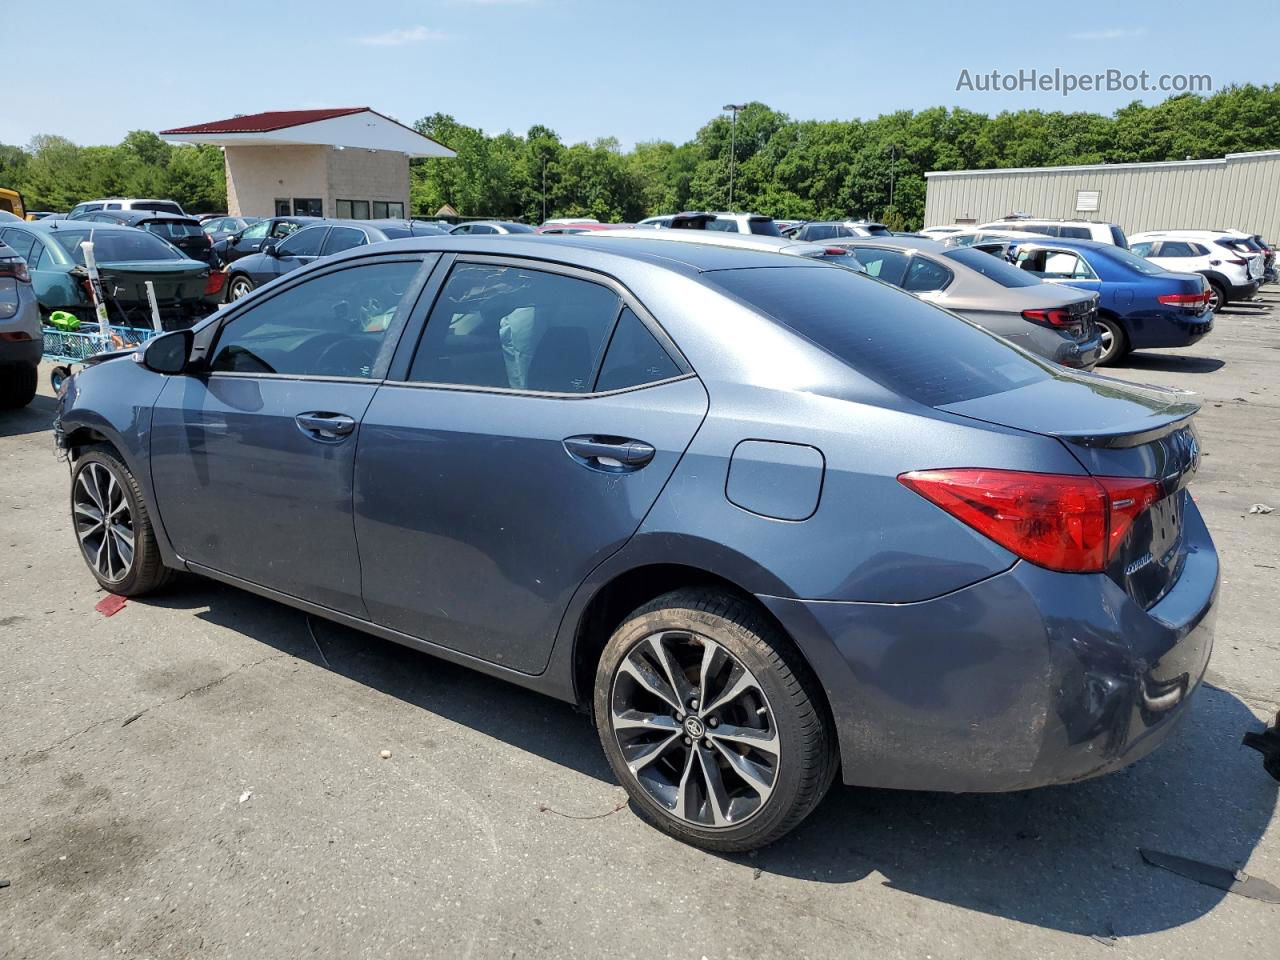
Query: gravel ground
199	776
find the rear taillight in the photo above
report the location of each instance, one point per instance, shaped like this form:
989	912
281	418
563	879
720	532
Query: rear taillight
1238	261
1188	301
1057	317
1073	524
214	284
14	267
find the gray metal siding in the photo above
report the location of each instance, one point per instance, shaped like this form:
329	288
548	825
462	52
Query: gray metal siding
1240	191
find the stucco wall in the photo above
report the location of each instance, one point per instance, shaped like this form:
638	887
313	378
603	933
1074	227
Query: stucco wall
1240	191
257	175
356	174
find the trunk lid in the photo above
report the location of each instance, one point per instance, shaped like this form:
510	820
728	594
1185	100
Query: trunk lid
173	279
1116	429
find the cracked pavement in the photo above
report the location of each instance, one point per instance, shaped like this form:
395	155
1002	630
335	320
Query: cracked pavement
495	830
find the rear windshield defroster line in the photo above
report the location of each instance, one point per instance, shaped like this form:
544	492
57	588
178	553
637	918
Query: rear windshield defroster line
912	348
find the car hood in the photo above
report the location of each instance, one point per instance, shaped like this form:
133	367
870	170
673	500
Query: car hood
1084	408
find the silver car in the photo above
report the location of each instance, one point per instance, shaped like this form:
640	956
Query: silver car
815	251
1055	322
21	341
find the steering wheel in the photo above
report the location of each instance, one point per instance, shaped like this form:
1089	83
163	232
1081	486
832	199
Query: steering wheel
347	356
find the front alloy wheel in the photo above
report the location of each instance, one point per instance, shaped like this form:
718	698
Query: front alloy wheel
695	728
104	522
239	287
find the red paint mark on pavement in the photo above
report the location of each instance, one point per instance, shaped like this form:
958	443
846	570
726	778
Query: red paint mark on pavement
110	605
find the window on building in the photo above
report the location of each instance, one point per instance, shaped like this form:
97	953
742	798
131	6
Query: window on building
283	207
342	208
308	207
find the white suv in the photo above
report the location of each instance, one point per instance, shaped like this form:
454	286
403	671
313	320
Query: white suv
1067	229
127	203
1233	271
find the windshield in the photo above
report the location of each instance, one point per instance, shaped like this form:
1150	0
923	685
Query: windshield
993	268
910	347
116	246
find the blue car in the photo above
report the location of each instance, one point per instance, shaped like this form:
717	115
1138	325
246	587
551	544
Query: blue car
770	521
1140	305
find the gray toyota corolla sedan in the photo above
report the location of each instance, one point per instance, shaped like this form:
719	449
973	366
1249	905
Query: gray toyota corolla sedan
775	522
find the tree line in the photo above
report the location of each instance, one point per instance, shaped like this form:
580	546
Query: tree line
799	169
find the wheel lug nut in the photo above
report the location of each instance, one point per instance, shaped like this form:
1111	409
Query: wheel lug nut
713	722
679	718
688	742
693	704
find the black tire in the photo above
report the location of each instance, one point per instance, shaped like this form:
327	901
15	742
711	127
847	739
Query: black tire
238	286
1217	296
58	376
144	571
1118	346
18	385
806	758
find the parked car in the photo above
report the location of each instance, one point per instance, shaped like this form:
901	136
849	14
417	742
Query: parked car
206	217
251	238
724	222
1254	243
183	232
570	228
768	521
128	203
313	242
40	214
1066	229
219	228
476	228
746	241
1232	274
126	257
942	232
21	341
1140	304
820	231
1057	324
568	221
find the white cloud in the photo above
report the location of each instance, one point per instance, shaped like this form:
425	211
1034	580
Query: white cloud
400	36
1111	33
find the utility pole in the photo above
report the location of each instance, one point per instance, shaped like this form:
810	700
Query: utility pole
544	189
733	144
893	164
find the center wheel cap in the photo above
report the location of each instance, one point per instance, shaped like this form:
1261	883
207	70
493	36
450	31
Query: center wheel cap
694	728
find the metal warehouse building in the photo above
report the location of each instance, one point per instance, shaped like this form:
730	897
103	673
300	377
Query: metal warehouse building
1241	190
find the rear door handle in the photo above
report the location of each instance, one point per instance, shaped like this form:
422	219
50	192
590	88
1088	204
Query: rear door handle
611	454
330	427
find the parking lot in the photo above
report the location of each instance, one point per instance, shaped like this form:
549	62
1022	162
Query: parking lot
199	775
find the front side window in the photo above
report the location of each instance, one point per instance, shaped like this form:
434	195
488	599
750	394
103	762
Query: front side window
1142	249
1055	265
634	357
285	227
342	238
333	325
515	328
924	276
1173	248
257	231
304	243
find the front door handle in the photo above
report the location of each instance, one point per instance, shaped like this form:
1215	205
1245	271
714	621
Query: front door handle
611	454
329	427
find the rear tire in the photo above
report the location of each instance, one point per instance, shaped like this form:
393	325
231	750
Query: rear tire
18	385
1217	296
1114	342
742	751
112	526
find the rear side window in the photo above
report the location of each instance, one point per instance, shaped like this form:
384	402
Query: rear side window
304	243
342	238
887	265
924	275
1078	233
20	241
514	328
634	357
1142	249
763	227
724	226
910	347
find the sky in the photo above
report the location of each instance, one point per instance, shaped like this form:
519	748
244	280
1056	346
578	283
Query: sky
586	68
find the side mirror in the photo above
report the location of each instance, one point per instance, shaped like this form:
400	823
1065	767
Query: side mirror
169	352
269	247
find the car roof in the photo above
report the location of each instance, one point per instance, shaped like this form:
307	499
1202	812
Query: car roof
602	251
74	226
743	241
135	216
922	244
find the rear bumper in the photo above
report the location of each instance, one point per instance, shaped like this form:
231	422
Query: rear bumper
1243	291
1170	331
1025	679
21	352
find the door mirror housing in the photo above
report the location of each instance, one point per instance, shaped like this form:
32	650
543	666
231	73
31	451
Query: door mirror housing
269	247
168	353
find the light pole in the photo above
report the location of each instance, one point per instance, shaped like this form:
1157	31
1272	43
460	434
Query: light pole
544	189
733	144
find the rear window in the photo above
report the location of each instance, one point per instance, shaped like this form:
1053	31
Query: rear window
878	230
763	227
1118	237
993	268
1141	264
160	206
519	228
116	246
172	229
908	346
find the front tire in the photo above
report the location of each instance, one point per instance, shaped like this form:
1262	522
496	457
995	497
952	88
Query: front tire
112	526
712	721
1217	296
1114	342
237	287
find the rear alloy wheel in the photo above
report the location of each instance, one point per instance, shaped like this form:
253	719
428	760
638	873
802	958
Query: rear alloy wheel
712	722
240	286
1114	343
112	525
